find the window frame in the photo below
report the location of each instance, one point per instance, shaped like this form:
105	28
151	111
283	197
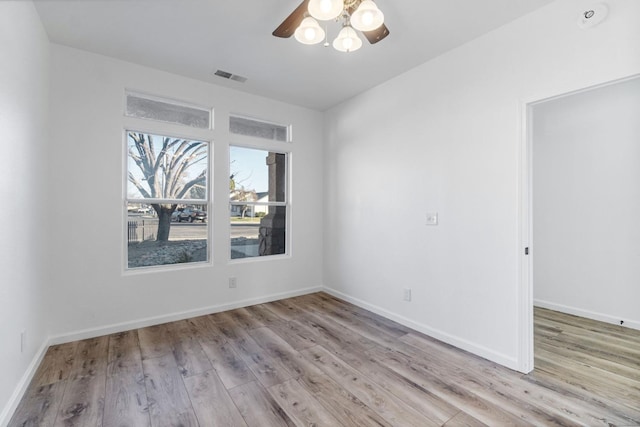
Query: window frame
289	128
167	100
255	143
171	130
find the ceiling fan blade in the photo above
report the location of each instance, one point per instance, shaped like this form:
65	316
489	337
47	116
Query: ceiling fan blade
289	25
374	36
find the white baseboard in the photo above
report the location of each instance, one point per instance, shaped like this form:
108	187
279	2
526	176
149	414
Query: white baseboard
629	323
11	406
172	317
14	400
474	348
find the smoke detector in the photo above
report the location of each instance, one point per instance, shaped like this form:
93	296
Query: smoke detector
592	16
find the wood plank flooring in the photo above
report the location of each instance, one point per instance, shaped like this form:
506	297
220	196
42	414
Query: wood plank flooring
318	361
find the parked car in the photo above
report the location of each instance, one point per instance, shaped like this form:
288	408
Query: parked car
191	214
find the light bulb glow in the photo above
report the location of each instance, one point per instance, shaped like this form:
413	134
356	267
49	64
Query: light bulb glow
325	10
325	6
367	17
309	32
347	40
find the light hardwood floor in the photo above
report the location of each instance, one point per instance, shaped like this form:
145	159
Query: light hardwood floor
318	361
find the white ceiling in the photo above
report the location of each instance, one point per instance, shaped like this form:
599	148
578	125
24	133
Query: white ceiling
194	38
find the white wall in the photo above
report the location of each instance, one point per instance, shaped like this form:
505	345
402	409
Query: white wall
586	203
24	87
446	137
91	291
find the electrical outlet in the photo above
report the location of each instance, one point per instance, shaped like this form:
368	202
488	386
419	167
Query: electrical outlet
23	340
233	282
407	295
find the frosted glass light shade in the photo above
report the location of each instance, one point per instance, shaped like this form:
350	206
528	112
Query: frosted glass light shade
309	32
347	40
325	10
367	17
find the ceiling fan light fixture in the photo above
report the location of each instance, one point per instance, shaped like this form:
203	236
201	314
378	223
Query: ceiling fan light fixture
367	17
362	15
309	31
347	40
325	10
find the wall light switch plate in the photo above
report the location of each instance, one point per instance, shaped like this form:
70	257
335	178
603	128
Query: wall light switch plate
432	218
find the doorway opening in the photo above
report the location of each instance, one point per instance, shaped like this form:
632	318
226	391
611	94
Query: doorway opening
580	208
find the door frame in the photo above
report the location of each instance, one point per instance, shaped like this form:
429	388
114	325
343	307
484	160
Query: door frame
525	219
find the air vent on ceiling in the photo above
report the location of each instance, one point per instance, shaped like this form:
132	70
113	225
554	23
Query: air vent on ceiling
230	76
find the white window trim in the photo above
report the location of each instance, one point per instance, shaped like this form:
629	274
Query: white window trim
158	128
169	101
289	128
271	146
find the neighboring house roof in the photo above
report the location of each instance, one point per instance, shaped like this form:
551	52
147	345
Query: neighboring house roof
243	196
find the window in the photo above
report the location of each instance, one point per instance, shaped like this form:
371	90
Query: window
258	129
167	200
258	202
145	107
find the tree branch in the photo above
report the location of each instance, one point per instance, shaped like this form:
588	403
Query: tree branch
139	186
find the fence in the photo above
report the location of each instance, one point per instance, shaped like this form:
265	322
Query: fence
141	229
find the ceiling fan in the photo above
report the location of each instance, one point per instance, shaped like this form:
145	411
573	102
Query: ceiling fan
362	15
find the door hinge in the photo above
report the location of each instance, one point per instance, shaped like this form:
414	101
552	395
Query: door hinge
526	251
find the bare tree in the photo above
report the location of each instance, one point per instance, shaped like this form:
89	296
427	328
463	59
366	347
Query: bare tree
165	174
